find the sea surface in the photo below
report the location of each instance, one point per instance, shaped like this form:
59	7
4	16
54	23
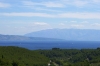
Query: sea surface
34	45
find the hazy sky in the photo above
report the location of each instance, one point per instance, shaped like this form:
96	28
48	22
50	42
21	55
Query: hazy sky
19	17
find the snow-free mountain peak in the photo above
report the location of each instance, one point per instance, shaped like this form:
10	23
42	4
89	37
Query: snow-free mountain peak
68	34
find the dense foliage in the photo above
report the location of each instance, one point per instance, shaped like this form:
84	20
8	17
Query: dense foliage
15	56
73	57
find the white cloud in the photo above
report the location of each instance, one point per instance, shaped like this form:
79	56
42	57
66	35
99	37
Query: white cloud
4	5
53	4
71	25
28	14
73	21
84	22
61	15
45	9
96	24
39	6
75	3
46	4
62	24
96	1
40	24
79	3
93	26
77	25
22	27
80	15
37	26
61	3
57	3
28	3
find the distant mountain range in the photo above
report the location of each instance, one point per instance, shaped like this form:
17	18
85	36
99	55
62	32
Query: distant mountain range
13	37
68	34
23	38
57	34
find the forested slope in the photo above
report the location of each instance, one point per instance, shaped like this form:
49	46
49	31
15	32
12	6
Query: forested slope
15	56
73	57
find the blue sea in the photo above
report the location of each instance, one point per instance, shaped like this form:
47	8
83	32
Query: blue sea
34	45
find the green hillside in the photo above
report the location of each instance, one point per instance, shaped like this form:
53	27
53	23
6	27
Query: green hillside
73	57
15	56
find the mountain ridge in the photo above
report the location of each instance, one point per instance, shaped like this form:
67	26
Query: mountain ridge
68	34
22	38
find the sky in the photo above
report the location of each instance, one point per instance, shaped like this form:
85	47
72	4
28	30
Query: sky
19	17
